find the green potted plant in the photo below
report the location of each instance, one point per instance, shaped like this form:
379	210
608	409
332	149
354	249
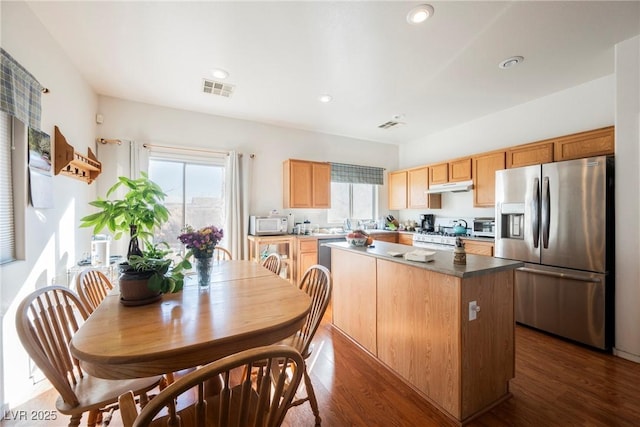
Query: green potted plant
150	272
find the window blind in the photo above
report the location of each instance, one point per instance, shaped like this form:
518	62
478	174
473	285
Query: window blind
356	174
7	231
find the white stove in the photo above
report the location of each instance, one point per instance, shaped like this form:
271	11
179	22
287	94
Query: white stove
433	240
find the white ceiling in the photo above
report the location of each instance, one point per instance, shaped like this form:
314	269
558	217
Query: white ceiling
282	55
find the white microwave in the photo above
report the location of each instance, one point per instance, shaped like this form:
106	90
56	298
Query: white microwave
267	225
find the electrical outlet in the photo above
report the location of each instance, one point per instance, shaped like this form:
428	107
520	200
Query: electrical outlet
473	310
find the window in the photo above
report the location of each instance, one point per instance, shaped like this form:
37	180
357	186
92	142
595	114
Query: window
195	195
7	224
354	201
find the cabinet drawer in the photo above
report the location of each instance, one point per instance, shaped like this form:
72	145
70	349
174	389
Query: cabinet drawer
310	245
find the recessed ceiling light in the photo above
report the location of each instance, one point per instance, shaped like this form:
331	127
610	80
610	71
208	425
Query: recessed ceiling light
511	62
219	74
325	98
419	14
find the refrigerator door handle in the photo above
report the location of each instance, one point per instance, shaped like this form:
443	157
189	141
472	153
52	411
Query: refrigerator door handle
545	212
536	212
560	275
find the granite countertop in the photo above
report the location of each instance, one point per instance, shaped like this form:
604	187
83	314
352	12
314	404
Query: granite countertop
442	263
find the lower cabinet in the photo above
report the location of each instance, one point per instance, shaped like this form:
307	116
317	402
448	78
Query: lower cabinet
385	237
478	248
261	246
405	239
354	297
306	256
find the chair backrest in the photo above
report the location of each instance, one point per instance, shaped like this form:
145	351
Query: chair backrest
92	287
258	395
316	282
273	262
221	254
46	321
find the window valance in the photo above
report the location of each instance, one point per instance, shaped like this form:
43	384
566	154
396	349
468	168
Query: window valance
356	174
20	92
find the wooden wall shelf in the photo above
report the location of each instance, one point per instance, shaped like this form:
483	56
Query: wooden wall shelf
69	163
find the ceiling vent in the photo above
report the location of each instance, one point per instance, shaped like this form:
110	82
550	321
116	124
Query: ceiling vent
390	124
217	88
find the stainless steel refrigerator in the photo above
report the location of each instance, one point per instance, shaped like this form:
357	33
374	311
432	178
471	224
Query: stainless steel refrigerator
558	219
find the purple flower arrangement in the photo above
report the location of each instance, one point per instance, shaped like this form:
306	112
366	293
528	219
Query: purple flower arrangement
201	242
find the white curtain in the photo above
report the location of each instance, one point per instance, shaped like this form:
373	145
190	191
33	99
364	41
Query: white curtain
237	217
138	159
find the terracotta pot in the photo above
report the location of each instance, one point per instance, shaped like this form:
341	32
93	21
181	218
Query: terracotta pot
134	289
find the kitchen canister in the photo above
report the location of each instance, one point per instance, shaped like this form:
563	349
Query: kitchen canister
100	248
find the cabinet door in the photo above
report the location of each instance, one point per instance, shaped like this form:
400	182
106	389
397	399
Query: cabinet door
530	154
321	187
354	296
418	186
306	257
398	190
405	239
385	237
460	170
439	174
484	182
297	184
585	144
478	248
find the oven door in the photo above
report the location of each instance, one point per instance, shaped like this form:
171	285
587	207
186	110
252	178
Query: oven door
433	246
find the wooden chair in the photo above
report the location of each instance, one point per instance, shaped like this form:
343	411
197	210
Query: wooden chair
92	287
273	262
46	321
316	282
221	254
243	401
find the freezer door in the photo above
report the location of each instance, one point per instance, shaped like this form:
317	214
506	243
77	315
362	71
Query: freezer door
568	303
517	214
573	214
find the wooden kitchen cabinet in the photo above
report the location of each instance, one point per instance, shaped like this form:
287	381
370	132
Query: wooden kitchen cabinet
398	190
354	297
439	174
460	170
530	154
405	238
418	185
478	247
484	178
453	171
306	255
597	142
384	236
306	184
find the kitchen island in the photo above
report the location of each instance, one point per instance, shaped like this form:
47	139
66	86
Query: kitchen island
447	330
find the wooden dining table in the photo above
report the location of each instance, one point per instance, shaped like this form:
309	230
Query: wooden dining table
244	306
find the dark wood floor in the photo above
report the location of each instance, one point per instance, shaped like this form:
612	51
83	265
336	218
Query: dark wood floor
557	384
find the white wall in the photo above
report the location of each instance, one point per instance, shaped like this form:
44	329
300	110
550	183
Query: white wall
53	241
627	199
584	107
271	145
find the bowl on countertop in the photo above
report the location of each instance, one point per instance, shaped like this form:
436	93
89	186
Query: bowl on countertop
356	241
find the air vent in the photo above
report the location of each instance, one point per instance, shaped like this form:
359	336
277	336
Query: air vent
217	88
390	124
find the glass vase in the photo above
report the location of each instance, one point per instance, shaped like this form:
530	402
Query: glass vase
204	266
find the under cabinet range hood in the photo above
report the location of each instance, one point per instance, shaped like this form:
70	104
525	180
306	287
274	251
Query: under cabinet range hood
451	187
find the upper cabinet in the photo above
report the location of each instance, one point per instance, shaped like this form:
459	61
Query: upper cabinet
585	144
306	184
530	154
408	189
418	185
439	174
398	190
452	171
460	170
484	177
